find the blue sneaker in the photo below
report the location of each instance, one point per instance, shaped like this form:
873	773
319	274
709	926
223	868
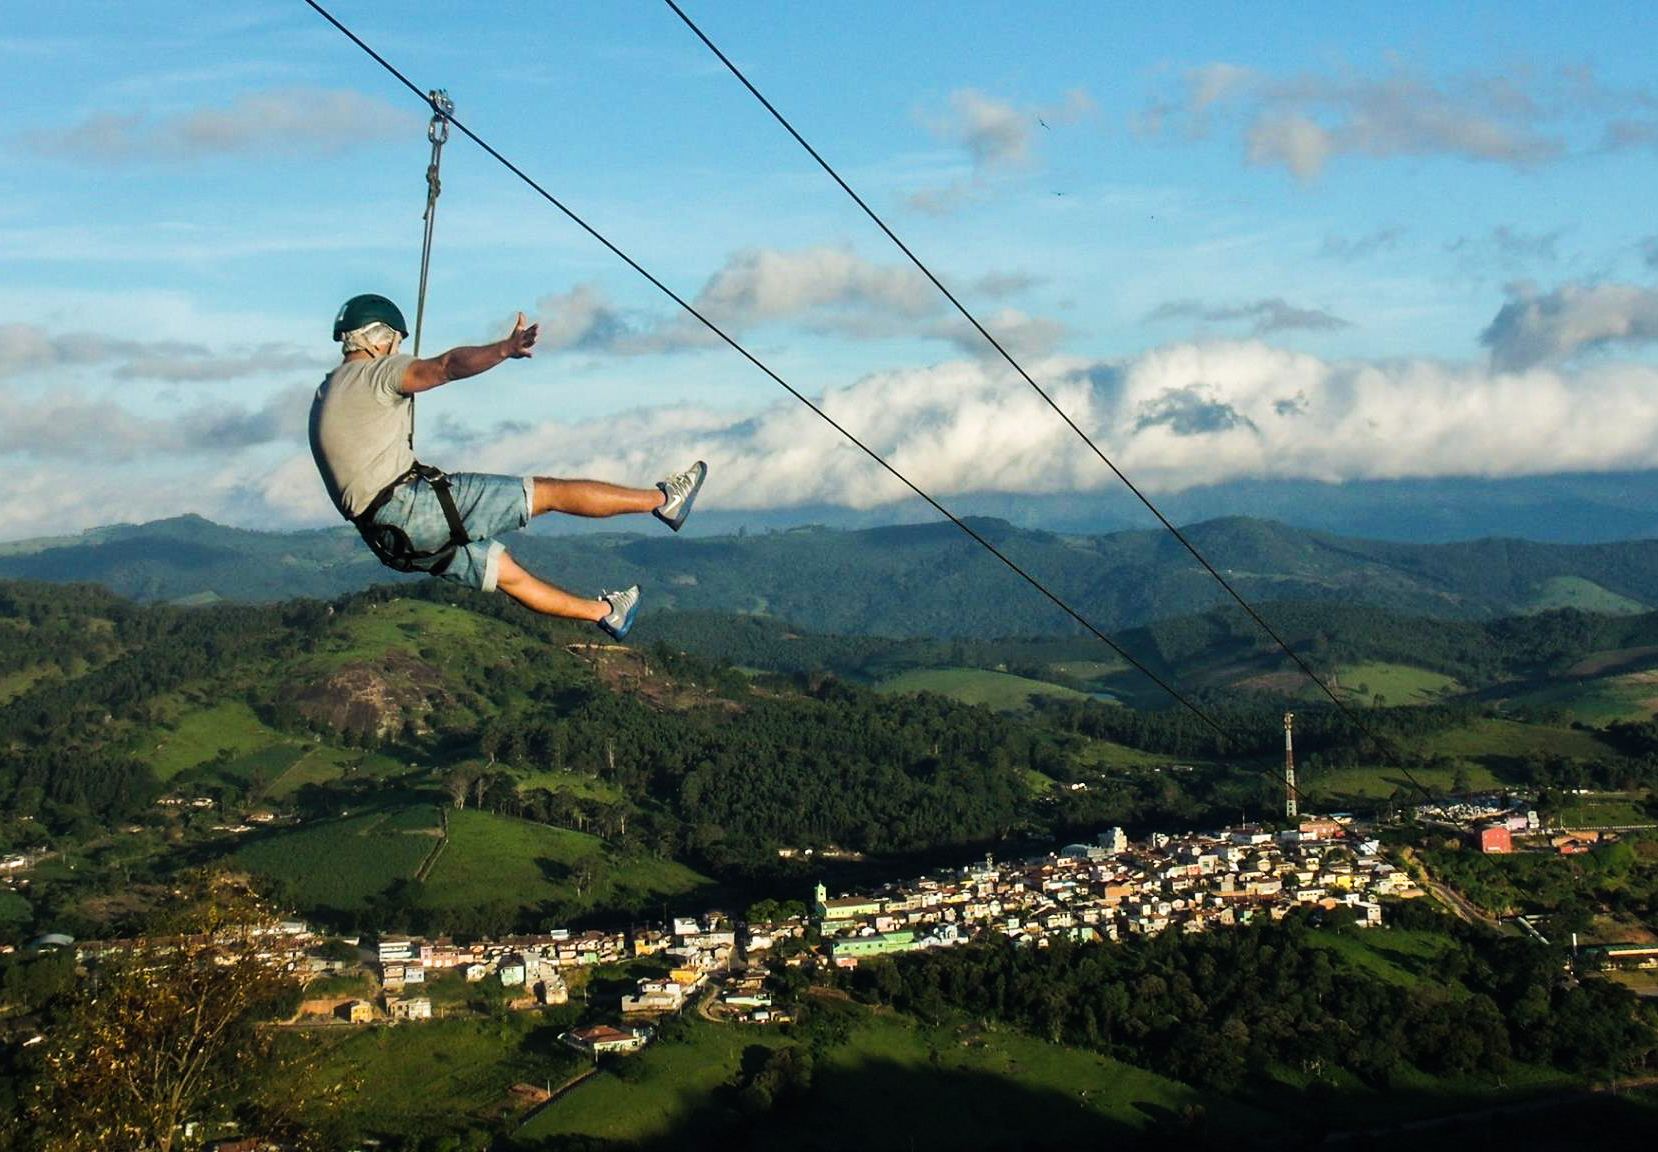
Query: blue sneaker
681	491
624	606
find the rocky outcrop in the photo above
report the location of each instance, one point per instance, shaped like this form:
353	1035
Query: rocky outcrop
375	699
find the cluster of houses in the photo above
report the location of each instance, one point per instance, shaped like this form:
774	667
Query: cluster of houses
1112	889
1494	823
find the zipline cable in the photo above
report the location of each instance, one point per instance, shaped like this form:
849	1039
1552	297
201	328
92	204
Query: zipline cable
1029	379
798	395
1209	721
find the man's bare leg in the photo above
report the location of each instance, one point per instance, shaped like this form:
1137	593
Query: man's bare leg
537	595
592	498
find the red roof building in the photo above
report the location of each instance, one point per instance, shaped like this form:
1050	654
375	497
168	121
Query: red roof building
1496	839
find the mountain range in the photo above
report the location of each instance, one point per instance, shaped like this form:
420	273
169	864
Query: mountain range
907	580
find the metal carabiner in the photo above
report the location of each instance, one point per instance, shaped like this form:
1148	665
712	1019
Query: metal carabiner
442	109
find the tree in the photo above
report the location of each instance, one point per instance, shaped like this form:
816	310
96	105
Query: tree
456	783
164	1026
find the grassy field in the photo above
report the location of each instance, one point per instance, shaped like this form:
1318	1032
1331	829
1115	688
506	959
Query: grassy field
341	863
417	1080
322	762
999	690
1611	812
1394	683
1584	595
1378	782
571	783
1601	700
1396	955
943	1087
1486	752
1494	743
197	735
673	1082
1105	755
496	859
409	626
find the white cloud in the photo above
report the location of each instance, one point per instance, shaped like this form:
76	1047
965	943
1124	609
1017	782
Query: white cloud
1535	328
826	290
1302	123
1178	417
1263	316
328	121
73	424
30	349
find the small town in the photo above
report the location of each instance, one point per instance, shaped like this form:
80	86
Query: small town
1106	890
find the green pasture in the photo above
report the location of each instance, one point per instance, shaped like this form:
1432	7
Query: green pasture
341	864
974	1088
1611	812
494	859
413	1080
409	626
673	1081
1598	701
1378	782
196	735
15	684
1393	683
1584	595
1002	691
1395	955
570	783
1106	755
1496	743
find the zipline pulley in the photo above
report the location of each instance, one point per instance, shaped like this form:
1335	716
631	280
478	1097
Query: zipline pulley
437	131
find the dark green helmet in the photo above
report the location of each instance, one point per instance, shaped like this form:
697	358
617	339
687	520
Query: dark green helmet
361	311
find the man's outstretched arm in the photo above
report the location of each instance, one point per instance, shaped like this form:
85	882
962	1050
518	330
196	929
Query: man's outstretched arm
459	363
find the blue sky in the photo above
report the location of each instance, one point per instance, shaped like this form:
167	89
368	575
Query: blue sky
1328	242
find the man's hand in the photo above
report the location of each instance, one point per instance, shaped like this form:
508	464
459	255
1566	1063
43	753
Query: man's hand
460	363
519	343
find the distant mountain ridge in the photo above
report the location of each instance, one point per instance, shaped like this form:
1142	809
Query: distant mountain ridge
910	580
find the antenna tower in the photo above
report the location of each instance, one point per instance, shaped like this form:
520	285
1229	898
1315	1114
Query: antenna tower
1289	767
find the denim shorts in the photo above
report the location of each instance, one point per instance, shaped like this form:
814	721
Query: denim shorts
488	505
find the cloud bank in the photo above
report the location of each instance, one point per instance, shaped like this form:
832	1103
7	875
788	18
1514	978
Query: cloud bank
1178	417
1303	123
293	121
824	290
1550	327
29	348
1263	316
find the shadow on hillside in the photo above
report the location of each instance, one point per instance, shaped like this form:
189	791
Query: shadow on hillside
882	1105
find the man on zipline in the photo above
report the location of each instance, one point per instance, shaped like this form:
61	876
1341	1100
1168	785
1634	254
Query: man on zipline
415	518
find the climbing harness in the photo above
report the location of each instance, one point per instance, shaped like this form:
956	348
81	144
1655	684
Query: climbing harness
392	544
388	542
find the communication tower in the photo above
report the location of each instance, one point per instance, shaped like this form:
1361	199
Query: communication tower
1289	767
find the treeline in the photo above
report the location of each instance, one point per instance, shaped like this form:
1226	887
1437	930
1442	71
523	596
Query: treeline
835	765
1215	1009
1326	635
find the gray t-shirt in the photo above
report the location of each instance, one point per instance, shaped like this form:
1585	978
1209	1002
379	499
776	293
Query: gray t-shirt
362	426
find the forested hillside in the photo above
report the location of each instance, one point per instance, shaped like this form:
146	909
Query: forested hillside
407	751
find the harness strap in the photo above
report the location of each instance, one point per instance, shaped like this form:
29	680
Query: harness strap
392	545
